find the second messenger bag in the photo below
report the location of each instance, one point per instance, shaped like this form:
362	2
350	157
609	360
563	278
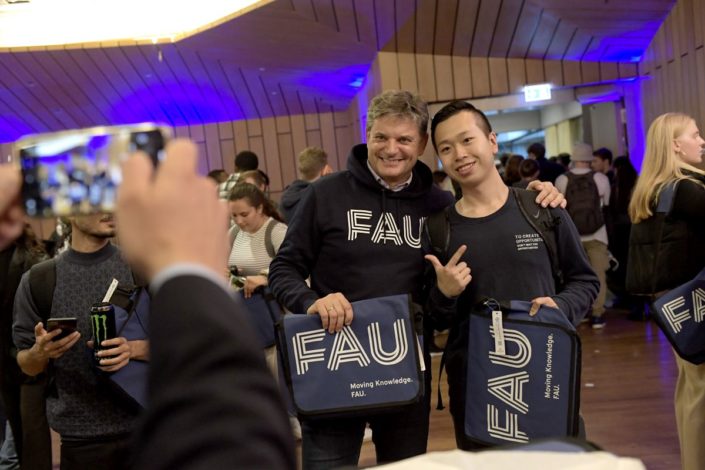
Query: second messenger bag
372	365
679	314
523	374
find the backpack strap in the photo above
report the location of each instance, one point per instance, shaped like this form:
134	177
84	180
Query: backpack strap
232	234
664	205
545	223
42	281
437	229
269	245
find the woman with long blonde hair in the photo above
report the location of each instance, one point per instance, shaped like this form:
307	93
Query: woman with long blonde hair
668	249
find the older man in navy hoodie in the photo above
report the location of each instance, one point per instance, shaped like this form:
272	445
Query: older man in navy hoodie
357	234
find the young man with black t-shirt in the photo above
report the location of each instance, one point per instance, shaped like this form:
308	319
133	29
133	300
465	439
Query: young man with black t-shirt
498	254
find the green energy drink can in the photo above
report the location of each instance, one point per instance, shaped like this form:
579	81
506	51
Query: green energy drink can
103	325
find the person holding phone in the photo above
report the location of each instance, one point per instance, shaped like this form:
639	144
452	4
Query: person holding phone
95	426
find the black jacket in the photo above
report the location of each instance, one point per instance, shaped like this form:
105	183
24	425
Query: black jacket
661	261
213	403
291	197
353	236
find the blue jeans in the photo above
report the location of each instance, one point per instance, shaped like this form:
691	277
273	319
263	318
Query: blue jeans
336	442
8	454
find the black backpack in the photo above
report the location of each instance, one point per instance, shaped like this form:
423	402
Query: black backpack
584	202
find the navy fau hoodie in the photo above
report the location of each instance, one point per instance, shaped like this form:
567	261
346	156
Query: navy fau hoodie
353	236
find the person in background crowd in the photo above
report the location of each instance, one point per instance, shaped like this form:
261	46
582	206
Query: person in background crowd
333	240
252	213
618	230
674	148
529	171
564	160
259	179
22	396
219	175
549	170
244	161
586	209
602	162
215	370
312	164
95	426
511	170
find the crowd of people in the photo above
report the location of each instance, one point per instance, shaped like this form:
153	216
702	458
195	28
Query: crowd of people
335	238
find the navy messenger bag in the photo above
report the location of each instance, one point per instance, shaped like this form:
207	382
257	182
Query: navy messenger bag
680	313
523	374
372	365
263	310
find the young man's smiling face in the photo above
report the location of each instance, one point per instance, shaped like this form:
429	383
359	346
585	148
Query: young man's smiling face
466	150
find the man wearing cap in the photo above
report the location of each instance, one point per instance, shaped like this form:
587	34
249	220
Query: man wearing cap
583	208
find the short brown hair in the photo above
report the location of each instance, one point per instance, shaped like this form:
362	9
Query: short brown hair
312	160
401	104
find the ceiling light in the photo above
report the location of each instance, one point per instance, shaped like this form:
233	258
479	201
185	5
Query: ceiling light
51	23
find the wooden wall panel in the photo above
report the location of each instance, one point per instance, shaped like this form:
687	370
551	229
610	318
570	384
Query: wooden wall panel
516	70
499	79
700	84
276	141
462	82
553	70
443	68
426	75
480	75
534	71
407	71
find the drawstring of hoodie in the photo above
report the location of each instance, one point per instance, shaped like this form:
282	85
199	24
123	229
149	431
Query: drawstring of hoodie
384	217
385	224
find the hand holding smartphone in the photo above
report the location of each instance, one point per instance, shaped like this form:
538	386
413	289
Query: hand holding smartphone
67	325
78	172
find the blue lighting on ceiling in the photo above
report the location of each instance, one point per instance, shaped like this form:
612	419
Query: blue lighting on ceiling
337	84
358	82
177	104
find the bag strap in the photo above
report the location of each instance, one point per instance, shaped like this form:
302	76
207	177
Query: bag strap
42	282
437	228
666	198
545	224
268	243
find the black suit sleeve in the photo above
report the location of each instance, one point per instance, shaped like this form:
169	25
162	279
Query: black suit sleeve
213	403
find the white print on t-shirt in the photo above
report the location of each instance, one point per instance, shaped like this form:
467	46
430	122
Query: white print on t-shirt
528	241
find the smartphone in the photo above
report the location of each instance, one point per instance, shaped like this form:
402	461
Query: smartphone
67	324
78	172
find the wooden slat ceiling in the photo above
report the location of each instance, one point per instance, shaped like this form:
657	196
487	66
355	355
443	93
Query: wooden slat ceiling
300	56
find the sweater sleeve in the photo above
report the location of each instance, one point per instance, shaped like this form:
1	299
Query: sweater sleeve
25	316
296	257
580	283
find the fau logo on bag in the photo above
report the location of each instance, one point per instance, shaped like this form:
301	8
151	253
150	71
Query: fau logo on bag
529	391
371	363
680	314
